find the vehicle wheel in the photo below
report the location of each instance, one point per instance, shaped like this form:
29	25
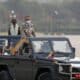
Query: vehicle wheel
58	77
44	76
4	75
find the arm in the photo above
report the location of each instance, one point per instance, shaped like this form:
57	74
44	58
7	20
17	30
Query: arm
9	33
18	45
51	55
19	31
33	32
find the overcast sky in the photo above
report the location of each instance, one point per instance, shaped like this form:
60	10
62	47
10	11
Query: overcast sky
46	1
3	0
52	1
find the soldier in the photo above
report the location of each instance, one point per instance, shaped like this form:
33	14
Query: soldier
14	28
27	28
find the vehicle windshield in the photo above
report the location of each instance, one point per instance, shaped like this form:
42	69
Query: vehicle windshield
41	46
58	46
61	46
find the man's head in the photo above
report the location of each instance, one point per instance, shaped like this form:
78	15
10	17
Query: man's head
13	21
27	18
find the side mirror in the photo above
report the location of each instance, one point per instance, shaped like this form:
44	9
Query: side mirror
73	49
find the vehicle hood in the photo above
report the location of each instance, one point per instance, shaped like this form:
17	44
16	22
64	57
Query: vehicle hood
74	62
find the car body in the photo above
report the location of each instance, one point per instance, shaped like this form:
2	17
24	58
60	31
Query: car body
46	57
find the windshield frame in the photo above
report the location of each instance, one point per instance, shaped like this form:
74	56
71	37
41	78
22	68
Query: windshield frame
41	51
65	41
50	41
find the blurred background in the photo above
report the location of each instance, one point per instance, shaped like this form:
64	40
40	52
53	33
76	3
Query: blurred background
49	16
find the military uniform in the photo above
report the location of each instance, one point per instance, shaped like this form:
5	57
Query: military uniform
27	28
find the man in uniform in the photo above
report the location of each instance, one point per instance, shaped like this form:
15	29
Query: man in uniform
27	28
14	28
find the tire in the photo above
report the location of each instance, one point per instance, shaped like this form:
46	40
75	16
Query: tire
59	77
4	75
44	76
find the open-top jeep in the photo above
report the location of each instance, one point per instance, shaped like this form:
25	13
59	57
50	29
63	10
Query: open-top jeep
37	59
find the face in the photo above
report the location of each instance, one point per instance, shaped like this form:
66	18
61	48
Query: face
14	22
28	21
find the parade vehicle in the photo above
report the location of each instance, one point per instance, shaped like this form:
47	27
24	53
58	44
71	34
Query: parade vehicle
39	58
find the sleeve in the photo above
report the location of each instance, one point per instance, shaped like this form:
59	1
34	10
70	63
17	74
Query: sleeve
9	33
23	27
19	31
33	32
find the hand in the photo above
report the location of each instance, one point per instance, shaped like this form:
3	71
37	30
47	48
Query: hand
50	55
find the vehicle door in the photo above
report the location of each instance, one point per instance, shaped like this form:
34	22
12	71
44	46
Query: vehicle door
23	67
5	56
9	61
